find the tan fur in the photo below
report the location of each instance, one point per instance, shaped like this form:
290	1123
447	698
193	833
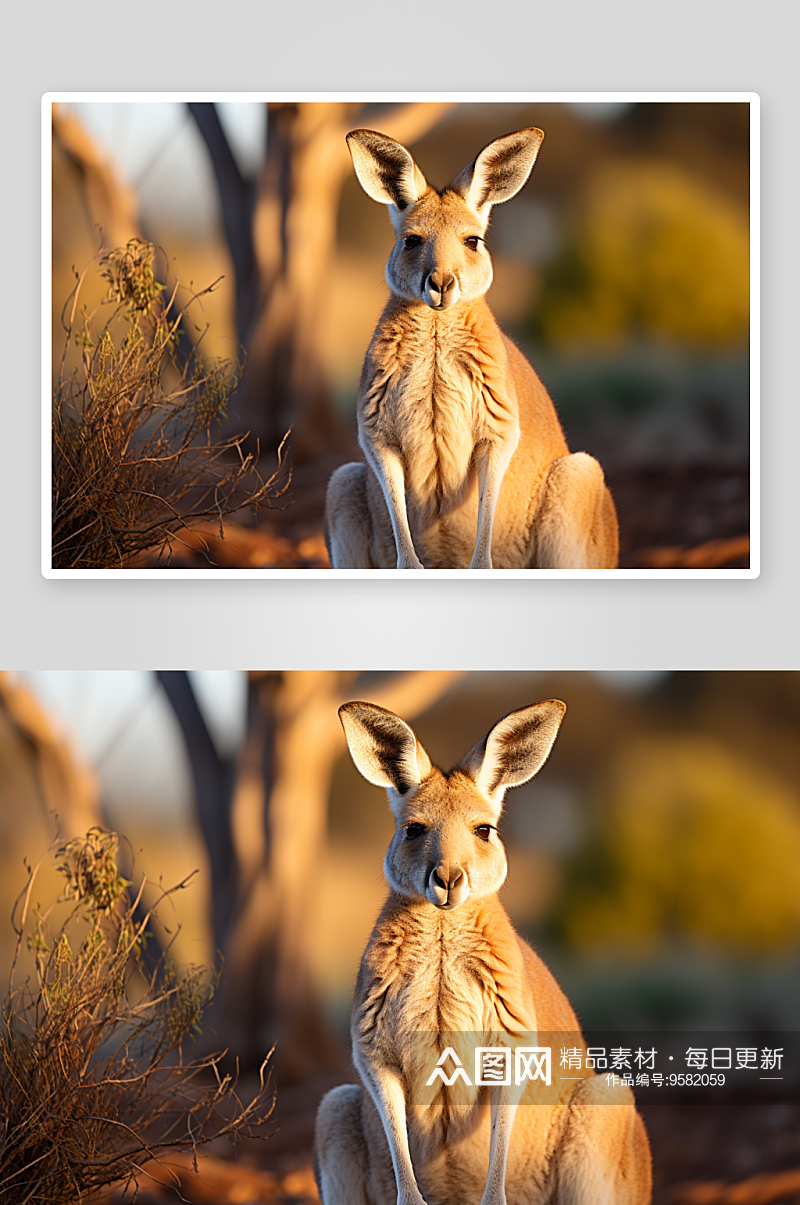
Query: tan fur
445	968
449	410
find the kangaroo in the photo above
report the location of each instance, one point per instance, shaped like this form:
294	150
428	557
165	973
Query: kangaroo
466	462
444	965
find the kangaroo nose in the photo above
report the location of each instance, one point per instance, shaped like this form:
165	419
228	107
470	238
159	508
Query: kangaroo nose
442	290
448	881
448	886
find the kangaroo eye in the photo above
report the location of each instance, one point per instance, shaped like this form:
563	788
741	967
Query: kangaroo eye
414	830
483	831
411	240
472	243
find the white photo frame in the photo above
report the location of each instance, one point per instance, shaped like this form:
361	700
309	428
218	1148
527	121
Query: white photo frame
748	98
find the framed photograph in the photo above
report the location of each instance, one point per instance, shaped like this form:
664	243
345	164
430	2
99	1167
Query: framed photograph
580	885
472	335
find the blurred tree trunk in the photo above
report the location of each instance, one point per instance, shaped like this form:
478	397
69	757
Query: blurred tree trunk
98	211
281	230
48	791
110	208
268	821
44	784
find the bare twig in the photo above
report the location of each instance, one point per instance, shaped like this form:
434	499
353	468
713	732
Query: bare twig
93	1075
135	458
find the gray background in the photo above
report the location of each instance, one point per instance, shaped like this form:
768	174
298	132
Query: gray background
375	46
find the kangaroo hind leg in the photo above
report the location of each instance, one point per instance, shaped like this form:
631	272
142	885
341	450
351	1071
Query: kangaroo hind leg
351	535
576	527
341	1164
604	1156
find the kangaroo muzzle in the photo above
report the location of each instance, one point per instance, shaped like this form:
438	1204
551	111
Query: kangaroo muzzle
441	290
447	886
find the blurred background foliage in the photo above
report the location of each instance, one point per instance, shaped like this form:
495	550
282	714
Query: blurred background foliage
653	861
691	845
651	254
623	269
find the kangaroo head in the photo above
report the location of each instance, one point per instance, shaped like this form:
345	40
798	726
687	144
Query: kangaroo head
439	256
445	847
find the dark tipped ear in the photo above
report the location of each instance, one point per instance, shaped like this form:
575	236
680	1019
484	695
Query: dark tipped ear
383	747
385	170
515	749
500	170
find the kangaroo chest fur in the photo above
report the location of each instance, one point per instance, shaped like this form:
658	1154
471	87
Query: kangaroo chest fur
426	972
434	980
434	386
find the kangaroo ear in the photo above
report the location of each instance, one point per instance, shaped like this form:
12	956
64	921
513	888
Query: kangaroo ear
500	170
515	749
383	747
385	170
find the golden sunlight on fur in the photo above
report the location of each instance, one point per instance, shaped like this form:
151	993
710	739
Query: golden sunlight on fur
466	463
445	976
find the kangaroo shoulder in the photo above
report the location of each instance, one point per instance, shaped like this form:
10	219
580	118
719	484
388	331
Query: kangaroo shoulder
537	414
554	1012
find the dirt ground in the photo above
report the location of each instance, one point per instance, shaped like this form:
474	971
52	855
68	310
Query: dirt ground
738	1154
695	517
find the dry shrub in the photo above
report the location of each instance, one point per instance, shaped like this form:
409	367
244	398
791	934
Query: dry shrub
94	1078
135	456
